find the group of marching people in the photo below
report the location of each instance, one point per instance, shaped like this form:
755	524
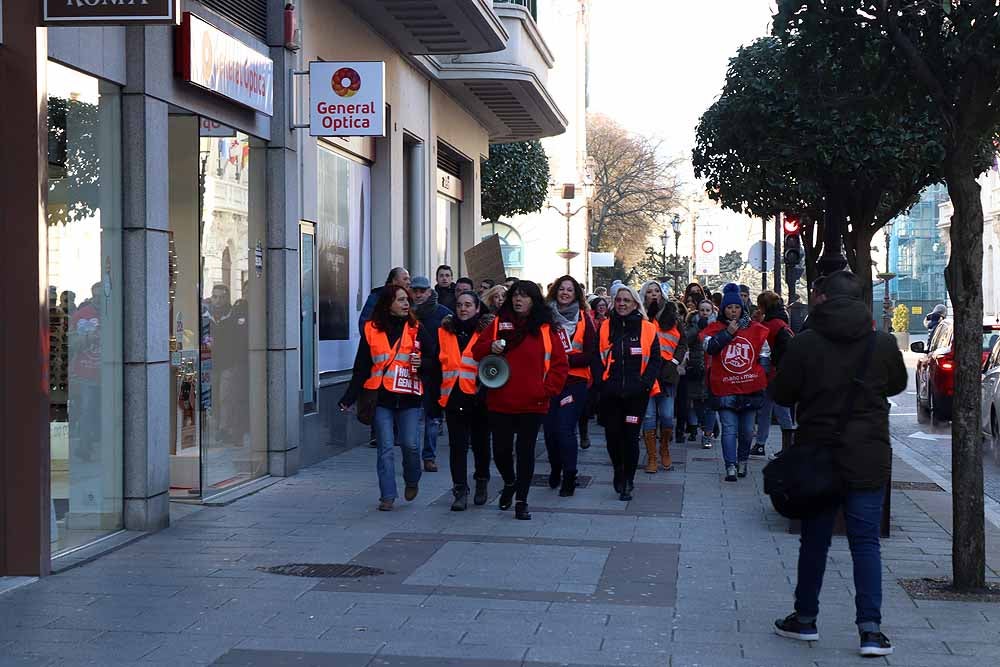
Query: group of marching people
639	361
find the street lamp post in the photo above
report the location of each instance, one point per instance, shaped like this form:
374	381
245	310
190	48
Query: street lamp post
569	193
885	277
675	222
664	271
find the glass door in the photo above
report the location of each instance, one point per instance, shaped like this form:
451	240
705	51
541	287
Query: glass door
309	320
218	320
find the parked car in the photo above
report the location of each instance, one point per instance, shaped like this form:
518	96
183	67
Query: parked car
991	395
935	375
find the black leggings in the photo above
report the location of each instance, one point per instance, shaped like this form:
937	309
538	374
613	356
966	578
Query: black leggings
465	428
504	428
622	419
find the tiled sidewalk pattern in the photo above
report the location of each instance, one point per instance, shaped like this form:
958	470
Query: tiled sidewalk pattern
691	572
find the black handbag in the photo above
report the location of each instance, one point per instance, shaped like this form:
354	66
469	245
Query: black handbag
805	481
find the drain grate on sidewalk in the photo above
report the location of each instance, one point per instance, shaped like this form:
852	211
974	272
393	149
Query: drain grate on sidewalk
916	486
582	481
323	570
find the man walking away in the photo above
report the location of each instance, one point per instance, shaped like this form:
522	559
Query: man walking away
816	373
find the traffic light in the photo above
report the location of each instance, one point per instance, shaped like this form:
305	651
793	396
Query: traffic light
793	240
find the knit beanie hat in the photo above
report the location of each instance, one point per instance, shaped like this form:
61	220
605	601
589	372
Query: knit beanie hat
731	297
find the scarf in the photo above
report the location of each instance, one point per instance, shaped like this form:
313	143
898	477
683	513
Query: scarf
567	316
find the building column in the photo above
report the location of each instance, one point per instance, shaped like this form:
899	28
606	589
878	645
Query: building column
284	394
145	311
25	503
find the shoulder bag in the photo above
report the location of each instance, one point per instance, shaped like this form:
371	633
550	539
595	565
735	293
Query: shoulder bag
804	481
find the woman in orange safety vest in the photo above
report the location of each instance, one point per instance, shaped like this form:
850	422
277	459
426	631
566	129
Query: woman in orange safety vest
569	311
464	407
397	358
630	353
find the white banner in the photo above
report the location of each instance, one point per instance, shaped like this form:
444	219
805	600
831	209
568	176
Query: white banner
347	99
226	66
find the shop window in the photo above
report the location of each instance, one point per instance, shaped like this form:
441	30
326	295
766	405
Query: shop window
343	240
511	246
85	307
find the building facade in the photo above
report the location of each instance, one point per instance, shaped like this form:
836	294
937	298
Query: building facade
532	243
191	310
989	184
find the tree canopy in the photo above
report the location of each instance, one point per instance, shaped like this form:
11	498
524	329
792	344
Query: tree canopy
515	180
808	116
634	188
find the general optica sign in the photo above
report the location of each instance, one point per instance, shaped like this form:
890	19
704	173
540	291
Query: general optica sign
347	99
97	12
222	64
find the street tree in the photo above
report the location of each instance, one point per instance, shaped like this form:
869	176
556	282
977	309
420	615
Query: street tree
515	180
74	163
949	52
800	125
634	188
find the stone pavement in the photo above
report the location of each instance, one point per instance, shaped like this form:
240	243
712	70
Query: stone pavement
693	571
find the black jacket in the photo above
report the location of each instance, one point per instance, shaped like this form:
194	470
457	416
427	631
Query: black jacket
816	372
626	378
446	296
430	372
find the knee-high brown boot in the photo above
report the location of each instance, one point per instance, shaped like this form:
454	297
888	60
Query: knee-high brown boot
666	434
649	437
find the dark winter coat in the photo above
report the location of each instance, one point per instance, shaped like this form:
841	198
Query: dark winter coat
446	296
695	374
626	378
815	374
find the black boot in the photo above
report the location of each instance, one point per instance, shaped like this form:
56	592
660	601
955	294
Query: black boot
506	496
554	478
461	498
627	488
521	511
568	484
482	490
618	482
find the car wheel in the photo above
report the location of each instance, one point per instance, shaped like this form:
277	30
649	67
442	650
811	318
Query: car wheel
923	413
935	417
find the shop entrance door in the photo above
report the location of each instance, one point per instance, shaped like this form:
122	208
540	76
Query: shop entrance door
218	379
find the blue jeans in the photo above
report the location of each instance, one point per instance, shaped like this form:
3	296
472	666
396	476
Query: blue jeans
863	514
430	427
702	415
736	424
560	426
660	409
406	423
783	413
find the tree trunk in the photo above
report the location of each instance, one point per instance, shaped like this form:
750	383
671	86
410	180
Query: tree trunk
964	276
863	261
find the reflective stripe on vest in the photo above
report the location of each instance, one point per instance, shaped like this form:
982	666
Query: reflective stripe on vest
456	366
668	342
646	338
385	366
578	338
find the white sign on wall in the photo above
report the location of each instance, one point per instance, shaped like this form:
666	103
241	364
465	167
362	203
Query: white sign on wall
347	99
707	241
222	64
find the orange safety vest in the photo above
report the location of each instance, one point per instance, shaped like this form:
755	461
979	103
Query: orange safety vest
646	338
668	342
577	347
456	365
391	369
544	332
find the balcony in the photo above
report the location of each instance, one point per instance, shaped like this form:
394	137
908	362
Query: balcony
506	90
422	27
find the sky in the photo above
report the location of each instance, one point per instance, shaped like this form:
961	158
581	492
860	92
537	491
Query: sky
657	65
